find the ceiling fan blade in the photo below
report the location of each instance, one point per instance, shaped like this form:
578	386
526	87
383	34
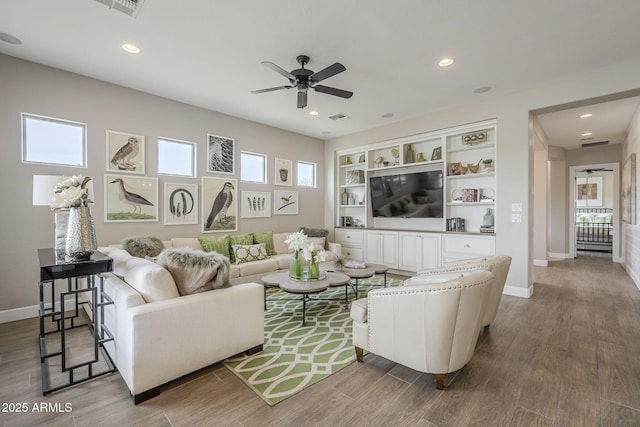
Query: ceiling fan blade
271	89
330	71
302	99
278	70
333	91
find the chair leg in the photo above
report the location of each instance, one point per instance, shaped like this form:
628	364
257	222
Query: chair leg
440	381
359	354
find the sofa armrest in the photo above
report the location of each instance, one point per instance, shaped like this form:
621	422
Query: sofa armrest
171	338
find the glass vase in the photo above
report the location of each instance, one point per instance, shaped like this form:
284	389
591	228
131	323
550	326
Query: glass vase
296	266
314	269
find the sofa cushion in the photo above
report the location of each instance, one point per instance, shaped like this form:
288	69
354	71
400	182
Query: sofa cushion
248	253
315	232
318	242
265	237
143	246
360	310
220	244
120	258
264	266
283	260
196	271
186	242
240	239
152	281
279	245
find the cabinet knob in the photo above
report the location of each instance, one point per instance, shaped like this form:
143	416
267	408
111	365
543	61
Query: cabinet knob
348	237
466	245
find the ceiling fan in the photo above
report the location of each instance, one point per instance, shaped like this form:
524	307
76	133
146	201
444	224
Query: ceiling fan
304	79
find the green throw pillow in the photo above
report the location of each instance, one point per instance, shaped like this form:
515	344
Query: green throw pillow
265	237
239	239
218	244
248	253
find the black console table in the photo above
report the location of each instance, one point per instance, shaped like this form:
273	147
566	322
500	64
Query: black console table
80	281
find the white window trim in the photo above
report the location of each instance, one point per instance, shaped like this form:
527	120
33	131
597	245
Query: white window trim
315	174
25	116
194	161
265	158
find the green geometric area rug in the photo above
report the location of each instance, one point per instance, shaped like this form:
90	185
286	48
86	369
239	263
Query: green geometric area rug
295	356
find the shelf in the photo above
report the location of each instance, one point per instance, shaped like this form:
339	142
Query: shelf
352	165
476	147
471	203
352	206
472	175
352	185
406	165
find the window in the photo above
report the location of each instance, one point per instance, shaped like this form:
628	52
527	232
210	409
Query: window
306	174
252	167
53	141
176	157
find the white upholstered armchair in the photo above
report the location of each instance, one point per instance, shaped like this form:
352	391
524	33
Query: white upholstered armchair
430	327
498	265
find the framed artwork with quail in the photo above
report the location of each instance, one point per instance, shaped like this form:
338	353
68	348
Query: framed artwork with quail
220	154
180	203
130	198
284	170
255	204
219	204
285	202
125	152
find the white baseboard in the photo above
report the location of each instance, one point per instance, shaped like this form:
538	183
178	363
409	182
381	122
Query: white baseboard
18	314
632	274
517	291
541	262
559	255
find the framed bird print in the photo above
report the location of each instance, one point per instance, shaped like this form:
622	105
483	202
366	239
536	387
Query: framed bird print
219	204
130	198
285	202
180	203
255	204
125	152
220	154
284	170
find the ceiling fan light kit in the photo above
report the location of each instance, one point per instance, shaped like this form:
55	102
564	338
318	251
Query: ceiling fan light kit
304	79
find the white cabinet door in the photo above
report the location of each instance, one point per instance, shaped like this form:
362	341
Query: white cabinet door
419	251
372	243
381	247
390	249
457	247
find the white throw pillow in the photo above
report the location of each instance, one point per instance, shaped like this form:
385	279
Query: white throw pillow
248	253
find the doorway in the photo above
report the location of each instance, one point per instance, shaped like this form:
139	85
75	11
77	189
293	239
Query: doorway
594	214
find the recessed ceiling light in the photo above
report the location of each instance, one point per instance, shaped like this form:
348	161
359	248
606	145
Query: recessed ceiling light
587	134
313	113
131	48
445	62
482	89
387	115
9	38
585	115
325	132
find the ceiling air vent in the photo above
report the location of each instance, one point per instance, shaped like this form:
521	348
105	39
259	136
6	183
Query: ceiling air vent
130	7
595	144
339	116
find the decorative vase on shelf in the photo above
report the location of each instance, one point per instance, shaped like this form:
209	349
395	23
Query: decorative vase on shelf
345	197
296	265
314	268
81	240
409	157
487	220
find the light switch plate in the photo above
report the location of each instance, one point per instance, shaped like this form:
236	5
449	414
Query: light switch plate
516	207
516	218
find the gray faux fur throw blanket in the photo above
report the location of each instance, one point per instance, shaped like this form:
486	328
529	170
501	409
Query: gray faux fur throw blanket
196	271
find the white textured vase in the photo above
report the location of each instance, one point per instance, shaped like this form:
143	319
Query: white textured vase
81	235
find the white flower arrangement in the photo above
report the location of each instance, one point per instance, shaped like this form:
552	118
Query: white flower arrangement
296	241
313	252
71	193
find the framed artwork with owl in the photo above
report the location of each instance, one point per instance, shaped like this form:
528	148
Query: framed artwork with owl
219	204
125	152
180	203
221	154
285	202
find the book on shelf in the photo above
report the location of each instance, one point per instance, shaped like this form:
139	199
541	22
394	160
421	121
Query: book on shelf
487	229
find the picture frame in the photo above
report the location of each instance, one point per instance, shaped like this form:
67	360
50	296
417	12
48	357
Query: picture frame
255	204
221	154
215	215
125	152
285	202
283	170
436	154
453	169
130	198
180	203
589	191
628	190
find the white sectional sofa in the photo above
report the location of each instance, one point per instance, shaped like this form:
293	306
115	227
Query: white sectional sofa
160	336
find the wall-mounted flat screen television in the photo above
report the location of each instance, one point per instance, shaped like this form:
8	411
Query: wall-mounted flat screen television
407	195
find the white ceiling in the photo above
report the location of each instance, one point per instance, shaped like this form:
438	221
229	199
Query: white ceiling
208	53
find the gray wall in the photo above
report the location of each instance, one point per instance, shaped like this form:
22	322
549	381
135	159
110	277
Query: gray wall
33	88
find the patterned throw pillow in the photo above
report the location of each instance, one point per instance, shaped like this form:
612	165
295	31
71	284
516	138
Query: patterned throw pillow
143	246
265	237
248	253
218	244
315	232
239	239
318	242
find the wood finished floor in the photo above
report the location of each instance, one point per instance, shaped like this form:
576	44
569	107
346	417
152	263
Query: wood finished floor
569	356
